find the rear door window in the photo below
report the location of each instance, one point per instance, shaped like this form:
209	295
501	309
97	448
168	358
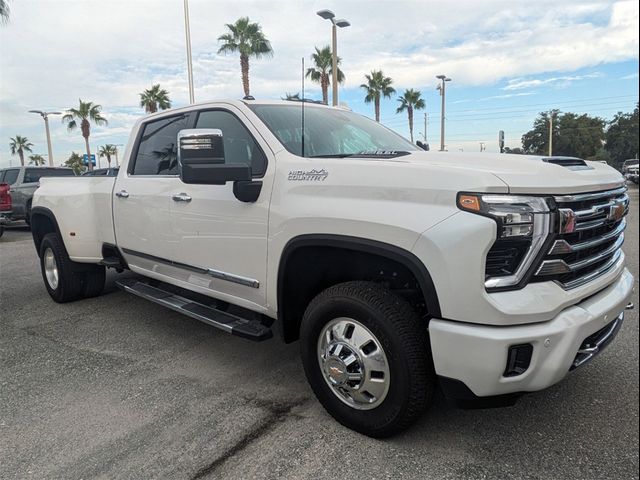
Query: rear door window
157	151
33	175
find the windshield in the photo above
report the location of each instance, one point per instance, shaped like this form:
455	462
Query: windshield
329	132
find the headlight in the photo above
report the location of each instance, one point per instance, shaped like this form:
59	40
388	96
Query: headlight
523	226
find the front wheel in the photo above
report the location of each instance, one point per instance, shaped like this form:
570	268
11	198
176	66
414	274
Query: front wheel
366	355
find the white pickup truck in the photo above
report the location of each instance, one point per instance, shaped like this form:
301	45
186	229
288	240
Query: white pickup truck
396	269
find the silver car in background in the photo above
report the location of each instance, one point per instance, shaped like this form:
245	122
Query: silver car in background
23	182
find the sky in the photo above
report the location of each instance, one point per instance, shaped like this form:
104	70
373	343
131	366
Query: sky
508	61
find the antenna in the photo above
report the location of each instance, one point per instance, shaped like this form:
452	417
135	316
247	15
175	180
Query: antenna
302	102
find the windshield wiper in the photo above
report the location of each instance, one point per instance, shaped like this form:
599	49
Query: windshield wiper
365	154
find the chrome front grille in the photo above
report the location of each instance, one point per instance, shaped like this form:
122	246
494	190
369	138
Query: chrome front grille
589	237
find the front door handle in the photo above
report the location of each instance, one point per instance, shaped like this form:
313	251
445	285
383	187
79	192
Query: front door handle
122	194
181	197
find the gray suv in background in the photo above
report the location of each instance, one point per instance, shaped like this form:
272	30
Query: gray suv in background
22	182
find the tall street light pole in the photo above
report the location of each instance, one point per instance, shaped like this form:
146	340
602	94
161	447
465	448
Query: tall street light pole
45	116
329	15
442	87
117	145
187	32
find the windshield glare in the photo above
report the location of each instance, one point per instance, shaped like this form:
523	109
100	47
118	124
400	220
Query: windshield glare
328	132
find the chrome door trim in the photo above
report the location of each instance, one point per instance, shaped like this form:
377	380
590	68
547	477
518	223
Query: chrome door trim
220	275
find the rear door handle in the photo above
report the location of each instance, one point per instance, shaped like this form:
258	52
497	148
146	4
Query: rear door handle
122	194
181	197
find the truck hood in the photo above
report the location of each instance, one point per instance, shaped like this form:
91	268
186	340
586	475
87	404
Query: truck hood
526	173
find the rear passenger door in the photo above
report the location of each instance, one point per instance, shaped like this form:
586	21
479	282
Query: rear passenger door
142	198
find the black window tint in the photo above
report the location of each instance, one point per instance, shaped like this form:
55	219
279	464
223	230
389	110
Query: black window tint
10	176
157	153
239	145
33	175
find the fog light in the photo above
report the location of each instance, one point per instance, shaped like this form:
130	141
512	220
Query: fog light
518	360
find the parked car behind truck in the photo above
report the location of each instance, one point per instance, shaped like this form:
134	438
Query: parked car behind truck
395	268
23	182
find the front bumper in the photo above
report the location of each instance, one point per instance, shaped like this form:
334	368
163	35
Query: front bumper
476	355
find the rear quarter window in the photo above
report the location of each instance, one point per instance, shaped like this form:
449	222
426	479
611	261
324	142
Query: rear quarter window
11	176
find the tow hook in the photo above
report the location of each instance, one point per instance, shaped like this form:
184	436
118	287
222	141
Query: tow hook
630	306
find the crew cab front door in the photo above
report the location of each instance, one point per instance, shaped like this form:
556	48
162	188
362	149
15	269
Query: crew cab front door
218	233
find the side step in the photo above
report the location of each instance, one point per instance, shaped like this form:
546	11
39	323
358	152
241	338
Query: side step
233	324
111	262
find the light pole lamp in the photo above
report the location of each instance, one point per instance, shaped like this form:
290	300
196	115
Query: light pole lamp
442	87
329	15
45	116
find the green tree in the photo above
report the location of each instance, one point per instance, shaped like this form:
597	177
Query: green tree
154	99
85	114
289	96
4	12
248	40
573	135
19	145
106	151
36	160
515	151
410	101
75	162
322	71
377	86
622	137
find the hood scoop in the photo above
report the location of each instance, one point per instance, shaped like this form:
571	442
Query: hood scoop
572	163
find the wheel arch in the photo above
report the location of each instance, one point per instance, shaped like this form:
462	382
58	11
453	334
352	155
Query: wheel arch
43	221
290	311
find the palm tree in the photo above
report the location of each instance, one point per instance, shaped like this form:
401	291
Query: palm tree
36	160
4	12
377	86
106	151
154	99
75	162
410	102
321	73
86	113
19	145
247	39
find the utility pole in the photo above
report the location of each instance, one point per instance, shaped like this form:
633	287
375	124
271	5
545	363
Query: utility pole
551	133
187	32
441	87
425	128
45	116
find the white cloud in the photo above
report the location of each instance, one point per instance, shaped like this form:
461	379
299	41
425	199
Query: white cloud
109	51
564	81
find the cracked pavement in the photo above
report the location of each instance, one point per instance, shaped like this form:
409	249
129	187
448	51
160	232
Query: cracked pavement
117	387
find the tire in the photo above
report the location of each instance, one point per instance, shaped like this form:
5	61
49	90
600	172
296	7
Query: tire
367	309
64	279
27	214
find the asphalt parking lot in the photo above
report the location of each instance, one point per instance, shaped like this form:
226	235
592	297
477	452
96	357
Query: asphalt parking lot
117	387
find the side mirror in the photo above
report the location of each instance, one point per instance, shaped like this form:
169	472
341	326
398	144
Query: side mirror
201	159
422	145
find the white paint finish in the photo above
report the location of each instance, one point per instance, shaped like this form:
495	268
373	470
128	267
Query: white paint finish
477	354
82	205
143	219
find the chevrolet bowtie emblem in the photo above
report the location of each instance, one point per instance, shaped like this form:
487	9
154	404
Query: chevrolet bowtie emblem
616	212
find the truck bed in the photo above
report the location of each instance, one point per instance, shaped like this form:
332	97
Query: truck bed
83	207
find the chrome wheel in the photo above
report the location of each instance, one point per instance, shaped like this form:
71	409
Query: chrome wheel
51	268
353	363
